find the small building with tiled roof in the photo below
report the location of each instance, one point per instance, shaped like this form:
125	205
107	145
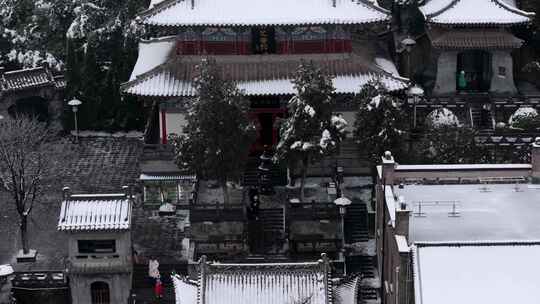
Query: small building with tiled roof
265	283
34	91
99	246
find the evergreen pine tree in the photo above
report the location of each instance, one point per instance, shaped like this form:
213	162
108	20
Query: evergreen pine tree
380	123
310	131
216	140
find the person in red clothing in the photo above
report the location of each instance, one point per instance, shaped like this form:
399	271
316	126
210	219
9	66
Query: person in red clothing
158	289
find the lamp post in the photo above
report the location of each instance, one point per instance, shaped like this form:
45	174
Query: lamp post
75	103
408	44
414	94
342	203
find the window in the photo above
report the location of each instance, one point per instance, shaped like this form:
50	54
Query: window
97	246
502	71
100	293
161	193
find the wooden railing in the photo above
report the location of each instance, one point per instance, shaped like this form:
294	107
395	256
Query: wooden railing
312	211
314	243
220	246
217	212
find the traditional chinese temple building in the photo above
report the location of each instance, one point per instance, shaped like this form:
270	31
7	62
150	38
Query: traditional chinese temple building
259	45
465	58
308	282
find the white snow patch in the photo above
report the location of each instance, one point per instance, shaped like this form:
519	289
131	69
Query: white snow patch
442	117
309	110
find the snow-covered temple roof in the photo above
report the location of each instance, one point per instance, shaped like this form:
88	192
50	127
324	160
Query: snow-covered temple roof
262	12
495	273
257	75
473	13
91	212
264	283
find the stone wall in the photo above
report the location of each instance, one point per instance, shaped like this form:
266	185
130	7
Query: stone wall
119	287
446	73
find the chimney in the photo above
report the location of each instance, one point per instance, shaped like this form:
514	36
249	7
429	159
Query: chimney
402	218
535	160
66	192
388	166
192	4
334	3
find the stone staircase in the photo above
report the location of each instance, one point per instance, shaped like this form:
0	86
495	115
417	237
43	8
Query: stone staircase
265	234
251	174
356	227
143	287
481	119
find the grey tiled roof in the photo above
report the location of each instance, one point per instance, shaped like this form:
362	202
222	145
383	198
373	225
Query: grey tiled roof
98	165
30	78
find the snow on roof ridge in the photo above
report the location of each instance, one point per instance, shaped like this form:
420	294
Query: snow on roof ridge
515	9
435	167
101	196
24	70
416	275
159	7
478	243
375	6
247	265
158	39
453	3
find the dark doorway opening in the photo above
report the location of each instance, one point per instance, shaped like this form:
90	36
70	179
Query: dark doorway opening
100	293
263	40
32	107
473	71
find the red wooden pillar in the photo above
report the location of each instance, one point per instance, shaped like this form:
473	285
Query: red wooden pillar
163	127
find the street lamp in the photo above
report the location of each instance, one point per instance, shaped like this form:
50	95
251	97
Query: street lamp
342	202
408	43
414	94
75	103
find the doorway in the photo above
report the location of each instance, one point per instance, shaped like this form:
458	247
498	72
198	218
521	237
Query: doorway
473	71
100	293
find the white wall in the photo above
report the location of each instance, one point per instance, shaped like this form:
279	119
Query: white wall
174	122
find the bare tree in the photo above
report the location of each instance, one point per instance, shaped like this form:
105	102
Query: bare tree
27	157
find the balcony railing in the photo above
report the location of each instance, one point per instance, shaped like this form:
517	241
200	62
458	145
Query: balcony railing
46	279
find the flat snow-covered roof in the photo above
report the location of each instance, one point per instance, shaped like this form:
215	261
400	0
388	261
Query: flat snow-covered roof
495	274
483	212
262	12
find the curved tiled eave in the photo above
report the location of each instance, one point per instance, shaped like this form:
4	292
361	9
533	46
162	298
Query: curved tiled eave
165	85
